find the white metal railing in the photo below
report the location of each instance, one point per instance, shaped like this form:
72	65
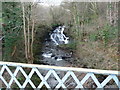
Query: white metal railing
53	70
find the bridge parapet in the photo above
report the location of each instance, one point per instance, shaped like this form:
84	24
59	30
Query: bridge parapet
53	76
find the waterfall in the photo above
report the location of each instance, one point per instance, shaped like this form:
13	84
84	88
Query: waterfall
57	38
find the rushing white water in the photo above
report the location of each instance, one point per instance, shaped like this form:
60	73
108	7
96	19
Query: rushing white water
47	55
58	36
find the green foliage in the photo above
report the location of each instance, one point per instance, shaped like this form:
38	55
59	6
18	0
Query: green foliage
70	46
0	20
107	33
110	6
93	37
12	26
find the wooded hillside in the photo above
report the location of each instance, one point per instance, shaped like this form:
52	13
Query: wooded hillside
91	26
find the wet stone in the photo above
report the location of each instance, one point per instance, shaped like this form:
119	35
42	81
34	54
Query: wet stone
51	53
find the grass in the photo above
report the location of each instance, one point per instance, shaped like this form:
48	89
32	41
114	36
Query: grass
0	20
70	46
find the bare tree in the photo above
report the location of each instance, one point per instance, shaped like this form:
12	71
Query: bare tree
29	27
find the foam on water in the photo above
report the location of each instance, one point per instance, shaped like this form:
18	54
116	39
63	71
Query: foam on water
58	37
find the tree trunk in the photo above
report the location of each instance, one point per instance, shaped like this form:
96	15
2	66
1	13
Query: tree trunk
33	26
25	35
28	35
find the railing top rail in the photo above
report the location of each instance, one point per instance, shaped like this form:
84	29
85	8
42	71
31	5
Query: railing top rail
47	67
